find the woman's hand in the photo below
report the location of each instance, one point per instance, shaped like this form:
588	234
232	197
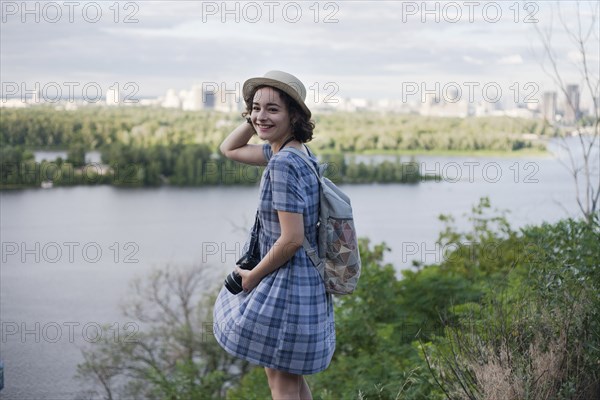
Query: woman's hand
249	280
236	147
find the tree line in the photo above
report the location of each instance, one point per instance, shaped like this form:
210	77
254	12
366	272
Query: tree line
44	127
143	146
178	165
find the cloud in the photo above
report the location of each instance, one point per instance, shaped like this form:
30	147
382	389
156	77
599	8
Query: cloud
513	59
472	60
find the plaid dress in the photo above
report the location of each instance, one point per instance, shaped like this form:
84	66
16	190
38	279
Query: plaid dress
286	322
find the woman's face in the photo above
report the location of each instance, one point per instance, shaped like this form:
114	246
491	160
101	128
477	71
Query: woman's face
270	115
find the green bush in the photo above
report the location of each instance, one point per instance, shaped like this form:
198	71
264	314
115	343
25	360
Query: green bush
536	333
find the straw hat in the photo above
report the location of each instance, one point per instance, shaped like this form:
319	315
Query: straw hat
283	81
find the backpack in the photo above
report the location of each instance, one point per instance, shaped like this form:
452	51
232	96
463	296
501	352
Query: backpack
337	258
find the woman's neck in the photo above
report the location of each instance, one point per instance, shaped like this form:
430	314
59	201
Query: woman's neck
288	141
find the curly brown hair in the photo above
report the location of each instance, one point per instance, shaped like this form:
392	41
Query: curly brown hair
302	125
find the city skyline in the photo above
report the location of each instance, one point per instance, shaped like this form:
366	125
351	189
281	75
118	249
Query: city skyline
546	107
444	103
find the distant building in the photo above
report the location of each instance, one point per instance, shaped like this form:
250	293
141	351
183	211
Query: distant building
35	98
572	113
209	99
549	106
201	98
13	103
171	100
228	101
192	100
112	97
344	104
396	106
435	106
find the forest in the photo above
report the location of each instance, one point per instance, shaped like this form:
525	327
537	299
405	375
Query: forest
145	146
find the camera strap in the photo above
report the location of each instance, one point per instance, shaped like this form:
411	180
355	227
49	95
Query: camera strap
253	247
286	142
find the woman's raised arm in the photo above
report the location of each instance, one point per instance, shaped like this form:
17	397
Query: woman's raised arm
236	147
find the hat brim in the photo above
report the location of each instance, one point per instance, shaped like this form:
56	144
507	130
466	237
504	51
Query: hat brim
251	83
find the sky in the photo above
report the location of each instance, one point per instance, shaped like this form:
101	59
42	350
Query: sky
362	49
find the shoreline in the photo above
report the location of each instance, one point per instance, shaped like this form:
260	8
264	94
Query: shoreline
445	153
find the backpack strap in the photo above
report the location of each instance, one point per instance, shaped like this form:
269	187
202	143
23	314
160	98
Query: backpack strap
310	251
305	159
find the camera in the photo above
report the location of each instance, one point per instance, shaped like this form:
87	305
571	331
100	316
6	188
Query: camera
233	281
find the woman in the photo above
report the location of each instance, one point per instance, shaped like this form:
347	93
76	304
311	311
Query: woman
283	319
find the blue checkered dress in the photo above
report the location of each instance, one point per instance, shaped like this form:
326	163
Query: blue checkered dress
286	322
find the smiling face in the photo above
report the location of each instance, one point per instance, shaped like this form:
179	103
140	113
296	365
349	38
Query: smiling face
270	116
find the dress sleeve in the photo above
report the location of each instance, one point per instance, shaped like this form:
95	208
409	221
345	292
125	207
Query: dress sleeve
288	194
267	151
